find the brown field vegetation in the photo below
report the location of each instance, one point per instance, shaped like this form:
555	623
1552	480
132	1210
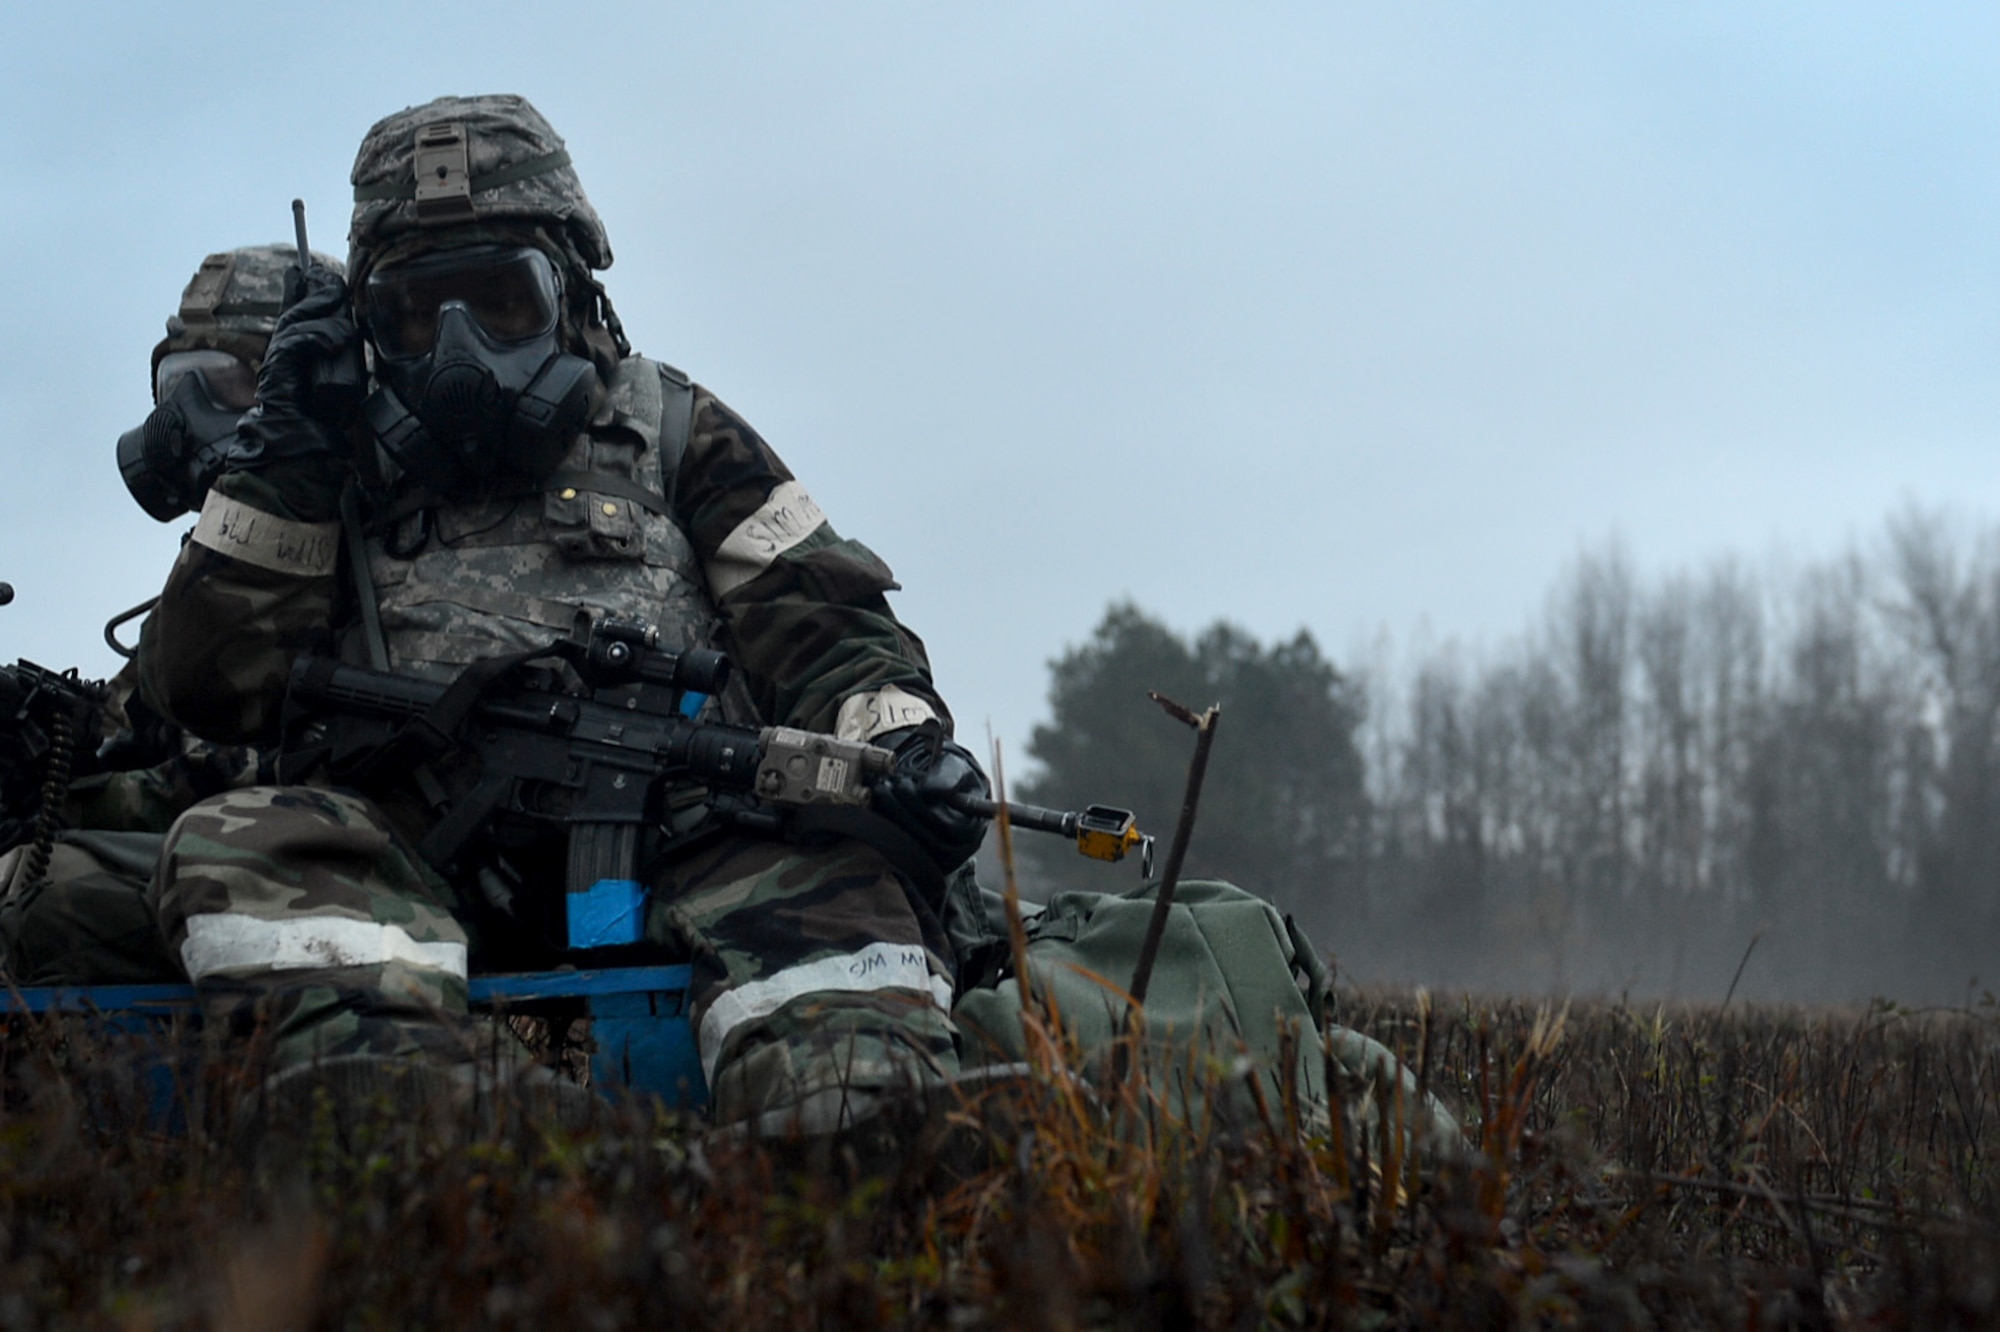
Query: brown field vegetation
1747	1168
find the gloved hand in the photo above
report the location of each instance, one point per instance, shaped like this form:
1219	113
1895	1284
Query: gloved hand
929	770
315	329
300	457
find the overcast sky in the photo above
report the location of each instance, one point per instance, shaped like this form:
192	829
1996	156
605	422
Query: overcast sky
1350	317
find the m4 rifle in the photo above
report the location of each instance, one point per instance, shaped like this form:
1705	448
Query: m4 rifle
598	761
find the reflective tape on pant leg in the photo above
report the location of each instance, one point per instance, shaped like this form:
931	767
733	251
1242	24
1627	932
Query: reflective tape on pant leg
879	966
226	940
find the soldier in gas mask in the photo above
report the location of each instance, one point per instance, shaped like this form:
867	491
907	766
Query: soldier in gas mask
516	465
84	918
205	377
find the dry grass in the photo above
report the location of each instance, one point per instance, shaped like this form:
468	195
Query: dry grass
1634	1168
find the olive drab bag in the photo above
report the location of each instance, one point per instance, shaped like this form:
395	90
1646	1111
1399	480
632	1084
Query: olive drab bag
86	919
1232	976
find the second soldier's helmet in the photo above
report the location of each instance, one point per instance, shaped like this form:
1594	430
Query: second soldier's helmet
204	376
232	303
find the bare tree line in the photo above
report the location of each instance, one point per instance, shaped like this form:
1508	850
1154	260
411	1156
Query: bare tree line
1664	770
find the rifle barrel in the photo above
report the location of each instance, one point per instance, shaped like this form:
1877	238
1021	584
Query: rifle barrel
1033	817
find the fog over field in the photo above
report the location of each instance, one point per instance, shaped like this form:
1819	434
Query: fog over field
1367	320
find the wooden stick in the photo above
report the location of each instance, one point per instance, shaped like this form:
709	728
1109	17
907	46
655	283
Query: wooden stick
1156	928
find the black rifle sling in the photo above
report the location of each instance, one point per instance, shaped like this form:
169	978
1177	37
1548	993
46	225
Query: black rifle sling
408	753
466	816
605	483
435	733
676	424
364	578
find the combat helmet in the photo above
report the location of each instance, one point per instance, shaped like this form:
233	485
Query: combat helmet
231	304
469	162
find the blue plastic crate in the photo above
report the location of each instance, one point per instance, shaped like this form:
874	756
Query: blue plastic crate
638	1018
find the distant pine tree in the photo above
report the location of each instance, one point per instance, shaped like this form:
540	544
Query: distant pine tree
1283	811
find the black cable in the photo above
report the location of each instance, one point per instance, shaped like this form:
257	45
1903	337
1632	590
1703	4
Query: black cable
55	790
112	625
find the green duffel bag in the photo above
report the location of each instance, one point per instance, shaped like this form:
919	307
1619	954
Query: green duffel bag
1232	975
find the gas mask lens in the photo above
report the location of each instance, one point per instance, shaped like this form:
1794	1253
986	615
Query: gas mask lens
229	382
511	294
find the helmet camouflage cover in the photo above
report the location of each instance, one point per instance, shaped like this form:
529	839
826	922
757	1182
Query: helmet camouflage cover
232	303
467	161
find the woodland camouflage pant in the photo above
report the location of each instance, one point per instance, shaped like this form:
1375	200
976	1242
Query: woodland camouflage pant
299	915
86	919
815	969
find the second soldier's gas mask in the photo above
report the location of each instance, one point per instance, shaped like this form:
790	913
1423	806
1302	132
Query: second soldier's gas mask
169	461
474	388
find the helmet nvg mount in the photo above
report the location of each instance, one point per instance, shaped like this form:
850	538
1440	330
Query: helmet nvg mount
490	160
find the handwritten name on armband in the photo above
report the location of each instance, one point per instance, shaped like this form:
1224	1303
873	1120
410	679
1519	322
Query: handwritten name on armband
788	517
282	545
865	716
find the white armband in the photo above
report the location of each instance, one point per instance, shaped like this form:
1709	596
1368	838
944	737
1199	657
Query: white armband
282	545
788	517
865	716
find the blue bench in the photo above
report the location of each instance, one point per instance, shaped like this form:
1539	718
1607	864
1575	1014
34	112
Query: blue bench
643	1042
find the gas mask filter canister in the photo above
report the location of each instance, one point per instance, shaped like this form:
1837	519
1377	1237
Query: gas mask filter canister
170	460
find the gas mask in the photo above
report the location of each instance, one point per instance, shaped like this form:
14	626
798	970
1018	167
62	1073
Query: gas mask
170	460
475	391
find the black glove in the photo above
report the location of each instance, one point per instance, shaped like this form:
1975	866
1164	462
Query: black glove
929	770
314	331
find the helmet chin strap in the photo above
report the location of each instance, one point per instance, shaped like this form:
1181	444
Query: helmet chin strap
608	315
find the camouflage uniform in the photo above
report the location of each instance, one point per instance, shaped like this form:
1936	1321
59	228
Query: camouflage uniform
87	918
818	971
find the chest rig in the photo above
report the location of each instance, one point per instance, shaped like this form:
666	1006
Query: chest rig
457	582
